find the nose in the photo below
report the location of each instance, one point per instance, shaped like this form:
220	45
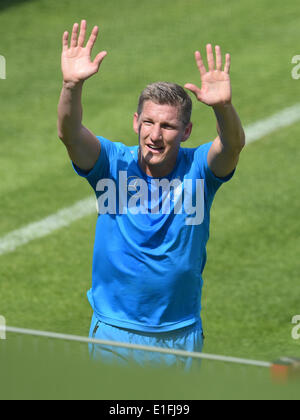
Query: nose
156	133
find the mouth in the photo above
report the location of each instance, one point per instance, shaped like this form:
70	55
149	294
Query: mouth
155	149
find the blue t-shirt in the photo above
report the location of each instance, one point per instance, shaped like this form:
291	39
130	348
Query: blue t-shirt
151	236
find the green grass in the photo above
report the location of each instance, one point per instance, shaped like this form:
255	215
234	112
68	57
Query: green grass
252	276
251	279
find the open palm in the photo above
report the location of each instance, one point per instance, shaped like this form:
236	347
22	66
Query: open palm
76	61
215	83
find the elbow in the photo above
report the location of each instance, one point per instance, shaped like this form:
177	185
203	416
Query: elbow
64	139
59	131
60	135
242	139
235	145
67	133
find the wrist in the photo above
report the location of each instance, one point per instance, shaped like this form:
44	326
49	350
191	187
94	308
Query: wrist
72	85
223	106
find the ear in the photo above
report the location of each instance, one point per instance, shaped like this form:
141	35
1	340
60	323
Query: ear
136	123
187	132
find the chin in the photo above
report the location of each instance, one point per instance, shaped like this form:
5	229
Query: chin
152	158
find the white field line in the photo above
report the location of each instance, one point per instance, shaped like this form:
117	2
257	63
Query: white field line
269	125
66	216
62	218
183	353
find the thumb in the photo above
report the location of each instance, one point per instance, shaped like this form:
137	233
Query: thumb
99	58
194	89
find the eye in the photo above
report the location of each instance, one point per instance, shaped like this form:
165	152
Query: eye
147	122
168	127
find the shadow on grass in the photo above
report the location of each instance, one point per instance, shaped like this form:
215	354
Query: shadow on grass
5	4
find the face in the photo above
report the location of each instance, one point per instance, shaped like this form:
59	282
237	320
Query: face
160	132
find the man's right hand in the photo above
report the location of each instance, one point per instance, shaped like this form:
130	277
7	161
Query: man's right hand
82	145
76	62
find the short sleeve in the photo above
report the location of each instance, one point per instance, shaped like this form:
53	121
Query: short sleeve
102	166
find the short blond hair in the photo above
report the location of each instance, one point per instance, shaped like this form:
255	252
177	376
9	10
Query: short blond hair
170	94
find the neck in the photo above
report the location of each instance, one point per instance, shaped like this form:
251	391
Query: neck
157	171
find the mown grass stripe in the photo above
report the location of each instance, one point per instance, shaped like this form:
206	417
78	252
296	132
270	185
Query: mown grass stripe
44	227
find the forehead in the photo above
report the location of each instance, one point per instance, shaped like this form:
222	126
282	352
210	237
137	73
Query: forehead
160	112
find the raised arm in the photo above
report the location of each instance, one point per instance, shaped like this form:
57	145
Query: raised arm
216	92
77	66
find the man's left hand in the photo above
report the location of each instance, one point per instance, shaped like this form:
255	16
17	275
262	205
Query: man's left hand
215	83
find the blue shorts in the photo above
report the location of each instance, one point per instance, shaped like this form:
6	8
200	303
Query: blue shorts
189	339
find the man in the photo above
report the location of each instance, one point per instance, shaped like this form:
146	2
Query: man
153	200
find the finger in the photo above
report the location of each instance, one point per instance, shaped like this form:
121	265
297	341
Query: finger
99	58
65	41
200	63
227	64
210	57
91	42
82	33
74	35
218	58
194	89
